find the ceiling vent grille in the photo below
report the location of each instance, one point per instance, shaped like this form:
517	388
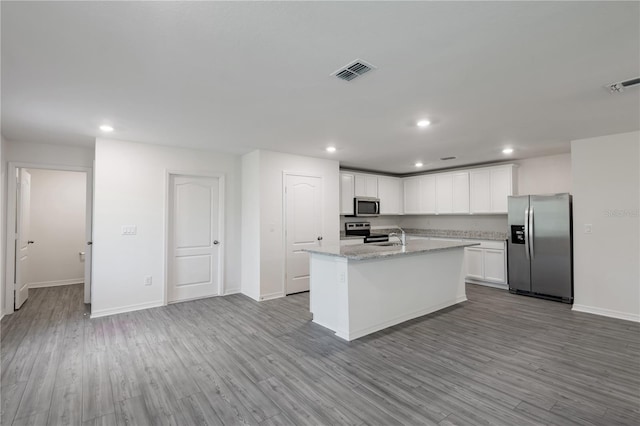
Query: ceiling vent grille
621	86
353	70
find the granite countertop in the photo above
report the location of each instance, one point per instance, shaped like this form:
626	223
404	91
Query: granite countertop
440	233
372	251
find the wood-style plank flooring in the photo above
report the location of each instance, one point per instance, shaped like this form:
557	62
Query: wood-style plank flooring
498	359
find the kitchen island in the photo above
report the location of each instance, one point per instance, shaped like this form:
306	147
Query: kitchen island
361	289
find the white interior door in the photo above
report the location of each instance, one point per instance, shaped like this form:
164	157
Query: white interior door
303	227
195	238
22	237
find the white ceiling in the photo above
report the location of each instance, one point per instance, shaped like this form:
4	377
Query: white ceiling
238	76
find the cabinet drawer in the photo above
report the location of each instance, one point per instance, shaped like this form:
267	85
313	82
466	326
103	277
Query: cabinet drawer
494	245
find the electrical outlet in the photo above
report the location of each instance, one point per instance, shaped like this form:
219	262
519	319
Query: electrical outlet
588	228
148	280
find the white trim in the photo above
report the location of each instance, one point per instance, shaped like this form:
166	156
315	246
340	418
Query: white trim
167	224
57	283
606	312
486	283
232	291
121	310
10	234
271	296
406	317
284	225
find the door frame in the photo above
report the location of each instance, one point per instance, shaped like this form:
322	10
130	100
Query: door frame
11	214
285	174
167	226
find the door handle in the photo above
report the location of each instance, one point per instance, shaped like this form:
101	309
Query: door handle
30	242
216	242
531	231
89	243
526	232
319	238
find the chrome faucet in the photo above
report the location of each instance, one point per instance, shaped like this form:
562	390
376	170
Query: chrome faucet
402	237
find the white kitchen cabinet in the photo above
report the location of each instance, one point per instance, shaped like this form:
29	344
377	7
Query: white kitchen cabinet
390	192
487	264
460	199
366	186
411	195
347	187
444	193
490	188
428	194
474	260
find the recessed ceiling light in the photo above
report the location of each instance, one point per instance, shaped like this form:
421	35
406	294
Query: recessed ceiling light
419	164
331	149
423	123
106	128
507	151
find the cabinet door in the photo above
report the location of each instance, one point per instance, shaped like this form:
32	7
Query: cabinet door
460	192
480	188
428	194
444	193
475	263
501	182
390	194
366	186
411	195
346	193
494	266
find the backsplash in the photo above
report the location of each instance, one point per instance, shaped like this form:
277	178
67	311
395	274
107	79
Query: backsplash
486	223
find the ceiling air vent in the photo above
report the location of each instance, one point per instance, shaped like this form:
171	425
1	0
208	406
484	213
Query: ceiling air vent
621	86
353	70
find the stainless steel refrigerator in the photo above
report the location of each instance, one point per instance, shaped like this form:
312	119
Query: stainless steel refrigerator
539	246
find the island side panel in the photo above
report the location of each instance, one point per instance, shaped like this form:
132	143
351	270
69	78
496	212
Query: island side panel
388	291
328	292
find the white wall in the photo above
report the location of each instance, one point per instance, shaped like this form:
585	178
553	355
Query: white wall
3	224
131	189
57	219
250	275
606	194
270	240
544	175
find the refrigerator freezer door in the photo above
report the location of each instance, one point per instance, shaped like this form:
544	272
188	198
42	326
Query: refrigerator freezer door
519	266
550	234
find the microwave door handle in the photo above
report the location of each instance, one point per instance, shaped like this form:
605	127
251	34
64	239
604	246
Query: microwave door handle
377	207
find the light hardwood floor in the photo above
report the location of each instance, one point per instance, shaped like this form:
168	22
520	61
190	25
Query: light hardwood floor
497	359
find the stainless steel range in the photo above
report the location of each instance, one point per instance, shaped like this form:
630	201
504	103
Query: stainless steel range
363	229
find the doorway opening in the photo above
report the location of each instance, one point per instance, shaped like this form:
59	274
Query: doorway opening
48	231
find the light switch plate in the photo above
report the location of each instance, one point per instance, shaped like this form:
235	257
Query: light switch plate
129	229
588	228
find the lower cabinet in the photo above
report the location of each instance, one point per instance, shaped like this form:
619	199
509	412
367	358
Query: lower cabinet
487	264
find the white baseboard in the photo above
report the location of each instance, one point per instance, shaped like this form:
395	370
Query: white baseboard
121	310
487	283
606	312
231	291
56	283
271	296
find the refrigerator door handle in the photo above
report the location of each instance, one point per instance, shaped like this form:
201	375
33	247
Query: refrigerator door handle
526	232
531	231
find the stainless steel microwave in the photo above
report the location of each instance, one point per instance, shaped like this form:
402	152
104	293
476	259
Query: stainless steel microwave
366	206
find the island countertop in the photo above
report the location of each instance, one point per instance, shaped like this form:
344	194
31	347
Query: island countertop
373	251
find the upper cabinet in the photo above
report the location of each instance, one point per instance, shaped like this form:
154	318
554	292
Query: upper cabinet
473	191
347	182
490	188
452	193
366	186
391	195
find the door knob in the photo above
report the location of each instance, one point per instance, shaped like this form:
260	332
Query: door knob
319	238
30	242
216	242
89	243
